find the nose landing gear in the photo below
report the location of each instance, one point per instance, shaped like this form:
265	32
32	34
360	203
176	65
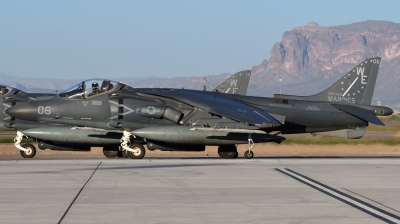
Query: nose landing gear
26	150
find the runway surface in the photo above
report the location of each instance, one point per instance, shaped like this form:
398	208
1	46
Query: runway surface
197	190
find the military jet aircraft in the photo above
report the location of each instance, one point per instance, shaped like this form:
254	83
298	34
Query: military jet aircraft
82	139
178	119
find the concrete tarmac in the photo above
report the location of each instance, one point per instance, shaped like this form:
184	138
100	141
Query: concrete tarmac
155	190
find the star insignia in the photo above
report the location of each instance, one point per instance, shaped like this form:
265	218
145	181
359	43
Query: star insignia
362	87
348	94
354	94
342	88
354	71
342	83
358	91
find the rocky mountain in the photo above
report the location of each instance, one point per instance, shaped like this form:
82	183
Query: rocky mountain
306	61
311	58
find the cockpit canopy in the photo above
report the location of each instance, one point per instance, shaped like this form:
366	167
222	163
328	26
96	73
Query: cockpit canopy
89	88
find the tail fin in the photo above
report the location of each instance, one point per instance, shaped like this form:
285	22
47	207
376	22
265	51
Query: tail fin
236	84
356	87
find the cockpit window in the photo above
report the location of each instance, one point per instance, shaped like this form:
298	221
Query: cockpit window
89	88
4	90
76	91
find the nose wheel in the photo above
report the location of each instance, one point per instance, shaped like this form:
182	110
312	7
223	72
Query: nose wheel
30	151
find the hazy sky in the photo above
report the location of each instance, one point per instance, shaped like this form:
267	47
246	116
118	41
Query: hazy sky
86	39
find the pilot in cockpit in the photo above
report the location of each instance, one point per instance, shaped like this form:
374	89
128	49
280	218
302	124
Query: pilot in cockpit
3	90
95	89
105	86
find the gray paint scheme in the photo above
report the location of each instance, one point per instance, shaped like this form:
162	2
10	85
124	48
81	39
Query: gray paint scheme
99	108
122	109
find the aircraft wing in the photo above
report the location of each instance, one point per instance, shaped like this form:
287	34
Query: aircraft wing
216	103
358	112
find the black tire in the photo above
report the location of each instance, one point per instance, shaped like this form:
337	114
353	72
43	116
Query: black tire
138	152
120	154
123	154
228	151
110	152
31	151
248	155
228	155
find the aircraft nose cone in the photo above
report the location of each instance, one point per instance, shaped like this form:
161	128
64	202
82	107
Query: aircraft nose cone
25	111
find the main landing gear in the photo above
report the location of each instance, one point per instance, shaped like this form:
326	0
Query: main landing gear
26	150
227	151
126	149
134	151
111	151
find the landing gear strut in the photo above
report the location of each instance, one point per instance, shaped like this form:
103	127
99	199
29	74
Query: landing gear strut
135	151
248	154
26	150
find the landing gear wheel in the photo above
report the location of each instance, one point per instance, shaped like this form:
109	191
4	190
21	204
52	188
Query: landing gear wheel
30	152
228	155
248	154
137	152
123	154
227	151
110	152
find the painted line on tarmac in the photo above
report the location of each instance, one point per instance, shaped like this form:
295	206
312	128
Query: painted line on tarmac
345	198
73	201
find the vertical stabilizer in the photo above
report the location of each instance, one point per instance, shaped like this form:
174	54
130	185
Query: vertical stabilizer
356	86
236	84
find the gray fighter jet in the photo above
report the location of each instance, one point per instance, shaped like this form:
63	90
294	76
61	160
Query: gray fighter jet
82	139
178	119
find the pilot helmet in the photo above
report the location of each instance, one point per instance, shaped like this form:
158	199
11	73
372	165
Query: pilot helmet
95	85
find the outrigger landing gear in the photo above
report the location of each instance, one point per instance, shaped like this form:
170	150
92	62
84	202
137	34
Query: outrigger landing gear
26	150
248	154
135	151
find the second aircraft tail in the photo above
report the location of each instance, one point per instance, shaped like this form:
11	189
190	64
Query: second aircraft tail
236	84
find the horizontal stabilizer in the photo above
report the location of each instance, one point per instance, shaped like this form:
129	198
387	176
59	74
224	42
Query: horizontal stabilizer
358	112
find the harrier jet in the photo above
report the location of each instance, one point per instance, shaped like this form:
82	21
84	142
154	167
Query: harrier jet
180	119
82	138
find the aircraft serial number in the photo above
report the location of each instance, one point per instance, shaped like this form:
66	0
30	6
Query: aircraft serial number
44	110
